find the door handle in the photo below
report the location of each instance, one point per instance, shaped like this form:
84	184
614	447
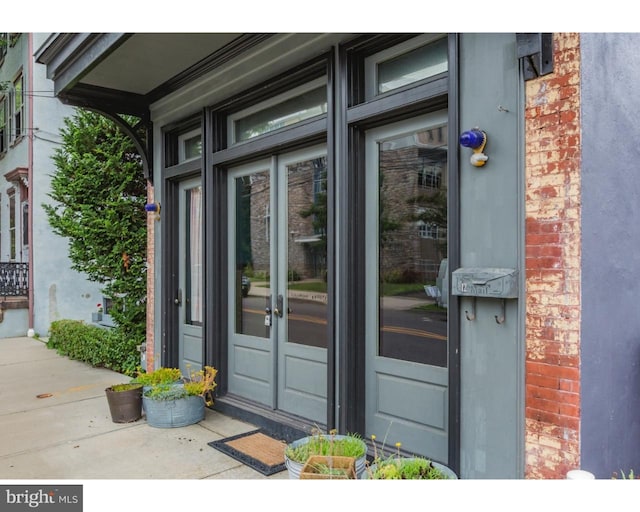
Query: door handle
278	310
178	300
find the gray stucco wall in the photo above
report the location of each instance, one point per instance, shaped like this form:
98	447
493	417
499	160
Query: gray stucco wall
610	340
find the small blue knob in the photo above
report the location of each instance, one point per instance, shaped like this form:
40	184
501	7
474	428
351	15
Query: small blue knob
151	207
472	139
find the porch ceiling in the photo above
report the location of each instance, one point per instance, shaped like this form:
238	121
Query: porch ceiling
127	72
146	61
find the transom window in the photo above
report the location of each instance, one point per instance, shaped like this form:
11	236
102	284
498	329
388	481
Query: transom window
298	104
414	60
189	146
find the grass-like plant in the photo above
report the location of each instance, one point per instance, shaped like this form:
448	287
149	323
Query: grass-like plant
625	476
351	445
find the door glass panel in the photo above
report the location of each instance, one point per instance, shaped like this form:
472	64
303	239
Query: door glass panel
194	256
307	252
252	254
412	246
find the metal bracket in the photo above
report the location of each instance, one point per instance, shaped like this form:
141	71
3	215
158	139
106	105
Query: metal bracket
536	51
471	316
500	319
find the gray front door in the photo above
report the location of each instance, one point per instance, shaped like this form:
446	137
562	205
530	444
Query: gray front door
190	292
406	331
278	298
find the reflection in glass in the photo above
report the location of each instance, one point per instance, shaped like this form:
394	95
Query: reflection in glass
290	111
412	245
307	252
193	147
252	254
194	256
418	64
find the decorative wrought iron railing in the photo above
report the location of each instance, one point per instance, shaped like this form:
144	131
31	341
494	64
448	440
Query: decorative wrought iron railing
14	279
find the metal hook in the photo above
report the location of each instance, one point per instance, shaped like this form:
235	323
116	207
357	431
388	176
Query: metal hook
502	318
473	310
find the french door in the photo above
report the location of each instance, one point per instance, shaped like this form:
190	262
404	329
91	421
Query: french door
190	293
277	296
406	352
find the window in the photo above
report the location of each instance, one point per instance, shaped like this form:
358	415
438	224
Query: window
12	226
429	176
3	124
25	224
301	103
17	109
416	59
428	230
189	146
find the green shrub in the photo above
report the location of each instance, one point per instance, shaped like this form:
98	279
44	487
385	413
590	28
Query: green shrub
104	348
98	193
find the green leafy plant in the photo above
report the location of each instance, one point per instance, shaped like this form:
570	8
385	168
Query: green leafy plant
397	467
159	376
99	192
168	384
351	445
101	348
166	391
125	387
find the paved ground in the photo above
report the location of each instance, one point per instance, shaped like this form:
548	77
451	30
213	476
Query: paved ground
70	434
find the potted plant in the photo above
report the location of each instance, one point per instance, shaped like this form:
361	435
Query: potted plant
97	317
298	452
172	403
398	467
125	402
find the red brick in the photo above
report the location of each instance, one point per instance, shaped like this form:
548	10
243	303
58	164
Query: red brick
552	260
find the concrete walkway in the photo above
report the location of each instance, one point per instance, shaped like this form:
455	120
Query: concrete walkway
69	433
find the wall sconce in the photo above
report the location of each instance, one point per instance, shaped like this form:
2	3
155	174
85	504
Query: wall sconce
475	139
155	208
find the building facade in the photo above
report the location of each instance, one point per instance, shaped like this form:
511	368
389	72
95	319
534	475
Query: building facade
37	285
419	216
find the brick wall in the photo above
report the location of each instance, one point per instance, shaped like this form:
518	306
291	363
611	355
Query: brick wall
150	281
552	239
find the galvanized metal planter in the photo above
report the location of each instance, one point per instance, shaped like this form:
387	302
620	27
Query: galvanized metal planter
174	413
295	467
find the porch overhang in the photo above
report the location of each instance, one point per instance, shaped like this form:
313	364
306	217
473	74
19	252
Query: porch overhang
123	73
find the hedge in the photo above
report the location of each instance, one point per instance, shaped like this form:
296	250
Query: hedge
99	347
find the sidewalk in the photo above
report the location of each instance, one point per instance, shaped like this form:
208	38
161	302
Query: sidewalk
70	435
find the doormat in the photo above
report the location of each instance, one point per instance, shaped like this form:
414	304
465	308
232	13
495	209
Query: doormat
255	449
